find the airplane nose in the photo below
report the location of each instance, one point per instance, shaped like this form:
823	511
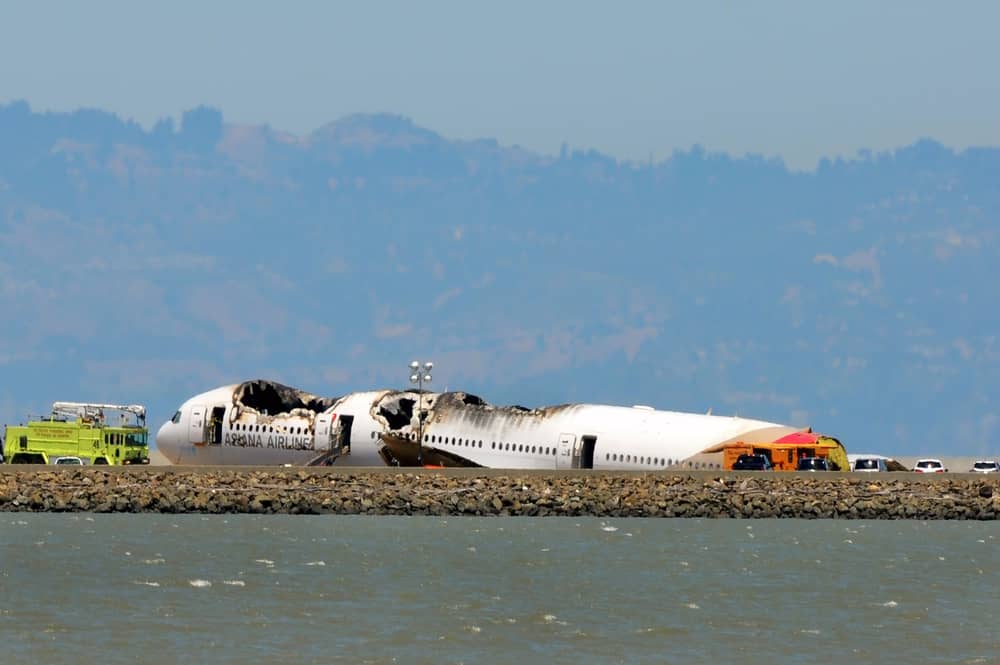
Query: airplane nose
168	442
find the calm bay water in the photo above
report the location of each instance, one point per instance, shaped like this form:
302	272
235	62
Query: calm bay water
268	589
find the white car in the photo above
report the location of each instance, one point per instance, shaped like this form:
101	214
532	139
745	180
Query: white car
68	460
985	466
929	466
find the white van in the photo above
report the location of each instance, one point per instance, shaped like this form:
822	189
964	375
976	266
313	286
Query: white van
870	465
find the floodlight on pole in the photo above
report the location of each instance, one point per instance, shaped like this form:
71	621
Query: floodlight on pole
419	376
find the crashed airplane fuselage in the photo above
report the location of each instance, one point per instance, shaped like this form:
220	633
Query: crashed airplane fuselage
462	430
263	422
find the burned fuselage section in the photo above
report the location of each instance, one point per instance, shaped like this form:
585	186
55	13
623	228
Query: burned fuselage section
270	398
437	428
267	414
406	428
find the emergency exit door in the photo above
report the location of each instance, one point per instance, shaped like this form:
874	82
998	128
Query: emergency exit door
196	426
324	431
566	452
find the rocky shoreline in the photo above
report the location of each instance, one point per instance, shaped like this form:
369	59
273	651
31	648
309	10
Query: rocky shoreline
506	493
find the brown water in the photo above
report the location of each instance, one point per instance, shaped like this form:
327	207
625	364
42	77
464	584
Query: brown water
329	589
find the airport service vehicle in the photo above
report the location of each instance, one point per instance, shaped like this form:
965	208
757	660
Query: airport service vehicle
985	466
929	466
752	463
263	422
812	464
93	433
870	465
784	452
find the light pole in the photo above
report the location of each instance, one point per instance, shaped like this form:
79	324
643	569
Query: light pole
420	374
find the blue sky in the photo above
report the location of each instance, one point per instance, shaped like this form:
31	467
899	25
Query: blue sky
635	80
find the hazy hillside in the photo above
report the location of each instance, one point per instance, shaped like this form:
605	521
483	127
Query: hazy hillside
137	265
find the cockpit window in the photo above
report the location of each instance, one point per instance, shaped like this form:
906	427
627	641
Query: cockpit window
176	418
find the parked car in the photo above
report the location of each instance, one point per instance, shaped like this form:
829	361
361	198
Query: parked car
929	466
985	466
812	464
752	463
68	460
870	464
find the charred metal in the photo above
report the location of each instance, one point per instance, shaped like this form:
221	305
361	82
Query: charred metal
287	409
265	401
397	410
270	397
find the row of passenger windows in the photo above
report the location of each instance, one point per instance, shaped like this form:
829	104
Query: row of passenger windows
472	443
627	459
521	448
658	461
548	450
246	427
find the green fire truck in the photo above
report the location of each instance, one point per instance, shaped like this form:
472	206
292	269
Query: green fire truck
94	433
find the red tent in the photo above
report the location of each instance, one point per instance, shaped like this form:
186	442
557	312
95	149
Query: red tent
799	438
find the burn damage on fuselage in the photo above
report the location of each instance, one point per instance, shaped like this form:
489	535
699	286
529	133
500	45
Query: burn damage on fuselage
397	413
397	410
400	450
270	397
262	401
400	417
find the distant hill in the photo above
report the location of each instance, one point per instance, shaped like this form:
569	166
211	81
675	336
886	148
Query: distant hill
145	265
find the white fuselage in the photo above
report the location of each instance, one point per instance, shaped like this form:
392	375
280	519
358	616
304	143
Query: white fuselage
590	436
188	437
210	429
